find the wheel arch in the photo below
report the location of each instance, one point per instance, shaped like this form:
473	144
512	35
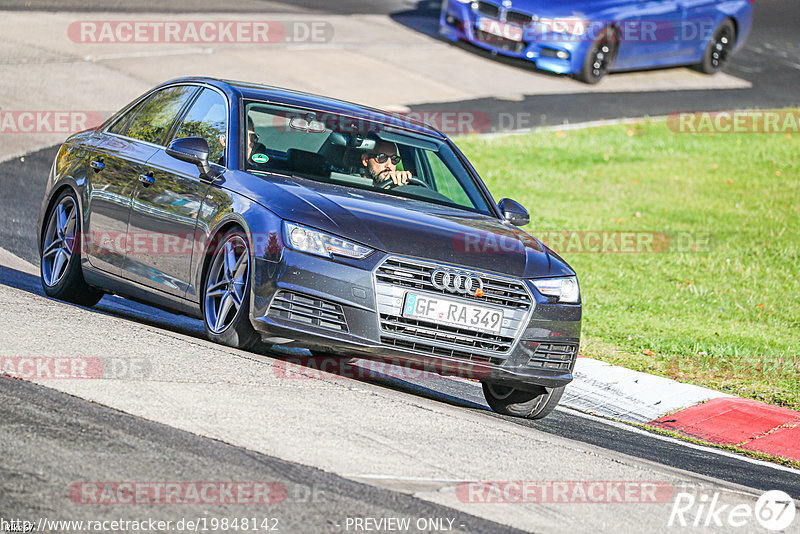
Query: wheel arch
223	226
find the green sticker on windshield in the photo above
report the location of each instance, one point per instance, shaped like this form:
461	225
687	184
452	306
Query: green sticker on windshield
260	158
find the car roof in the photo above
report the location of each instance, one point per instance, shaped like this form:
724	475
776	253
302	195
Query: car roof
320	103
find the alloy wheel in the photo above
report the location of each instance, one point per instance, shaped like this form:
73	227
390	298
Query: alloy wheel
720	48
59	241
226	284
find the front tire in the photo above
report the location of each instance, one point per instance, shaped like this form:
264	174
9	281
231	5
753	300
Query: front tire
535	404
226	293
60	254
719	49
600	58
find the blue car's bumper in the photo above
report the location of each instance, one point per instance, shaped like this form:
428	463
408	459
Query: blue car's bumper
558	53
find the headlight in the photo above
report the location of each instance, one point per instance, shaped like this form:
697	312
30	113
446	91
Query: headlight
565	289
322	244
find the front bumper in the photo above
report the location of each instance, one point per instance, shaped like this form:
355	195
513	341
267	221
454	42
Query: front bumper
552	52
338	307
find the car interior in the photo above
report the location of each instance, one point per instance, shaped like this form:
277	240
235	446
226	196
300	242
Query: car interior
329	149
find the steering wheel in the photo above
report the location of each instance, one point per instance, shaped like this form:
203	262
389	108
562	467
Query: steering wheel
389	184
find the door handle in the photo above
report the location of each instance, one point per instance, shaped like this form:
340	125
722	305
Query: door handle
147	179
97	164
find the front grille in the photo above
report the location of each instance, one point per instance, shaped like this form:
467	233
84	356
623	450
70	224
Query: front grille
490	10
309	310
434	350
397	276
499	42
515	17
446	334
560	356
417	275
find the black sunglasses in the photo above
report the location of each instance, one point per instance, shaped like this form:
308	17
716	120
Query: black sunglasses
382	158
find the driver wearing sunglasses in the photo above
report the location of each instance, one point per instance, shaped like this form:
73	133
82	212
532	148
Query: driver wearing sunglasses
381	166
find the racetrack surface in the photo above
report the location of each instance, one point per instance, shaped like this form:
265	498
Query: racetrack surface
51	441
390	57
769	62
416	437
377	445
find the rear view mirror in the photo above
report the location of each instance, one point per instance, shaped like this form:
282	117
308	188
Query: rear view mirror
192	150
514	212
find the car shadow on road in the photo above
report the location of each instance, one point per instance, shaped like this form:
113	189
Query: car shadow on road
296	361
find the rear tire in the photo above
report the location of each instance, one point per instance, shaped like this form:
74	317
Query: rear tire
600	58
60	254
535	404
720	48
226	293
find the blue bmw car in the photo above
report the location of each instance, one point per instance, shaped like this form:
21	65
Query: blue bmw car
589	38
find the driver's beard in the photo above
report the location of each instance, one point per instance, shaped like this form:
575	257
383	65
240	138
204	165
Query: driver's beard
376	177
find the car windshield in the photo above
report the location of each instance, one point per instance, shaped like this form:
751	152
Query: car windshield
357	153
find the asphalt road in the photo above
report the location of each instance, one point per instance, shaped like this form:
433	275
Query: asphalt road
564	423
769	60
50	441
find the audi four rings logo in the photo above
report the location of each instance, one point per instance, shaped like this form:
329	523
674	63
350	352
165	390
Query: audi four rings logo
456	282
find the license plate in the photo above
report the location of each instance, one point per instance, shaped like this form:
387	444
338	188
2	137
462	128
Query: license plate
501	29
453	313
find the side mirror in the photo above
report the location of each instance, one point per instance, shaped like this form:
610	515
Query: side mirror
192	150
513	212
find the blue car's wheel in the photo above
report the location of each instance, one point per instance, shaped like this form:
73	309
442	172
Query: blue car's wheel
600	58
719	49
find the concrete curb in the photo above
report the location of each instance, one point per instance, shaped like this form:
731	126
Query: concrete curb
616	392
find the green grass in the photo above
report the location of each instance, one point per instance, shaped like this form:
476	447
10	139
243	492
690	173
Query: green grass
726	315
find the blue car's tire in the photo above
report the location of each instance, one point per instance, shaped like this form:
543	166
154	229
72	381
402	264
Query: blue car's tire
600	58
719	49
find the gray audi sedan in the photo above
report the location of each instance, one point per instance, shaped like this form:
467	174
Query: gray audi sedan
283	218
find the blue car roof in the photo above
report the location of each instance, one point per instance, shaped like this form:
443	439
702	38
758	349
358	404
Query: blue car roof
321	103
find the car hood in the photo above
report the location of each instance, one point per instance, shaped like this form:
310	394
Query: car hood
406	227
550	9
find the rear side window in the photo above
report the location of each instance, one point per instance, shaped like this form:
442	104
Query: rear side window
208	118
122	124
155	117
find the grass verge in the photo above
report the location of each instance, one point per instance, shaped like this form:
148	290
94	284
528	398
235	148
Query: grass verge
707	290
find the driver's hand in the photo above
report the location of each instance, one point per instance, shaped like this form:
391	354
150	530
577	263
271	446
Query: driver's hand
395	178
